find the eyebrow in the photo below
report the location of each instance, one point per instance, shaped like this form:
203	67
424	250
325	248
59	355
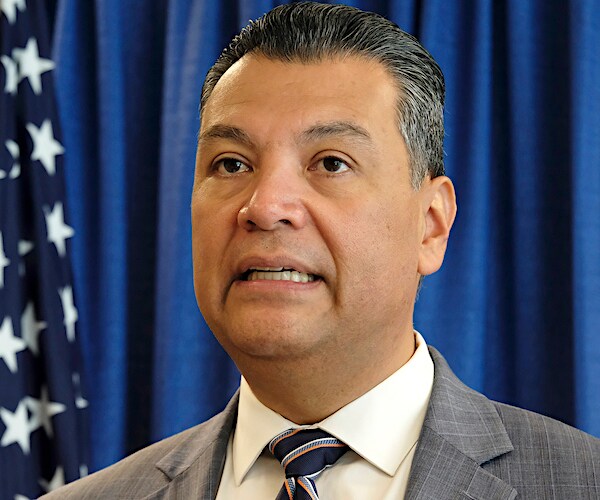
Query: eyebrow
226	132
337	128
316	132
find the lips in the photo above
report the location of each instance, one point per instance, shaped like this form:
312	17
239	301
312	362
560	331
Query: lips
278	274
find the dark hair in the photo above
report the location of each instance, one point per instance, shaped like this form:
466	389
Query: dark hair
310	32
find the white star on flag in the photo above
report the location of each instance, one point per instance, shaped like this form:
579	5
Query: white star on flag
24	248
12	77
9	8
56	228
13	149
80	401
57	480
4	262
30	328
42	410
45	147
69	311
10	345
31	65
17	427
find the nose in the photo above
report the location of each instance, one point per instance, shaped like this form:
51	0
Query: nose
276	201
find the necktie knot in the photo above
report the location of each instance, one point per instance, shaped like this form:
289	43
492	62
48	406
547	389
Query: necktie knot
304	454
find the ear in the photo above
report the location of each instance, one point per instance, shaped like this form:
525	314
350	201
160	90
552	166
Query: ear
439	210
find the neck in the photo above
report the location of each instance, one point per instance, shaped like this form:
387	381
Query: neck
309	390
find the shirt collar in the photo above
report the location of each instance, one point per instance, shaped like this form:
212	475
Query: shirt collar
256	426
381	426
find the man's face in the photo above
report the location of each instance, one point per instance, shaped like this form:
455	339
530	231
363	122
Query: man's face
307	235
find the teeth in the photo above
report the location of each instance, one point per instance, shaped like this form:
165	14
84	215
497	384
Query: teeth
280	275
268	268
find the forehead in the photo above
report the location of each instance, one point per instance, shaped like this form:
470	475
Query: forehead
345	88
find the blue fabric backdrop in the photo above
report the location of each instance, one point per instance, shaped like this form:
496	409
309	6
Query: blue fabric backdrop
516	306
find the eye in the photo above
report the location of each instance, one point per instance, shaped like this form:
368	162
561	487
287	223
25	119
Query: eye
230	166
333	165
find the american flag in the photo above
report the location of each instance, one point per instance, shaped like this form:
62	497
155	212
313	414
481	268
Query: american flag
42	408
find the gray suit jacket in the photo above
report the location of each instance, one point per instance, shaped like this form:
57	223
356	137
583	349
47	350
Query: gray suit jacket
469	448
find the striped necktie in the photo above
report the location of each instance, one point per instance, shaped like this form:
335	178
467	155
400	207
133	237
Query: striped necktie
304	454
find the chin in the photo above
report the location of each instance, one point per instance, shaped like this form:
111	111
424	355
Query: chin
278	339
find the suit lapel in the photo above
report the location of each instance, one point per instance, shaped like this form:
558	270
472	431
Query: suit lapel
442	471
195	468
462	431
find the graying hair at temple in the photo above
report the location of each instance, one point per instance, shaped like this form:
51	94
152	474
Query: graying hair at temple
310	32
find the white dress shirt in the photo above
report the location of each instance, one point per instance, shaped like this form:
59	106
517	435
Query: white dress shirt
381	428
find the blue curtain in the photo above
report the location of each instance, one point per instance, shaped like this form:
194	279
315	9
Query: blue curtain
516	307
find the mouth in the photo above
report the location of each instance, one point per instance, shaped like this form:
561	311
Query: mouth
278	274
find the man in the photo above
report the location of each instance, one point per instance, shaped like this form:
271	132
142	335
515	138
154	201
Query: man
319	204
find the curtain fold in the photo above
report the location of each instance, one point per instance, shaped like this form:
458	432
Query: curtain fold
515	307
585	233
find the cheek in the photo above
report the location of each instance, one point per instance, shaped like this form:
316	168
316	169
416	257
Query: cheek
210	235
200	243
378	254
211	229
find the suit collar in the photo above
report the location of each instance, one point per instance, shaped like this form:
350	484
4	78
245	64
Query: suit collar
465	418
200	457
462	430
